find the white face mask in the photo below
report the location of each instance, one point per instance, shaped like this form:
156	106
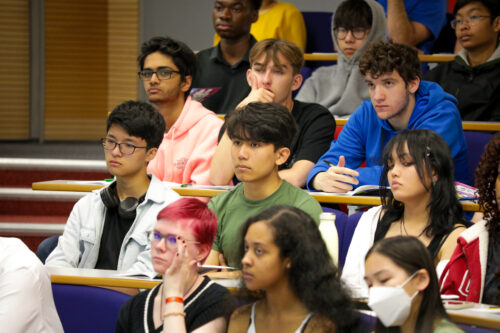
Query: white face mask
391	304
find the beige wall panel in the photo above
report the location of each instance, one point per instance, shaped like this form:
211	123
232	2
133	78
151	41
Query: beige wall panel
76	69
123	44
91	50
14	72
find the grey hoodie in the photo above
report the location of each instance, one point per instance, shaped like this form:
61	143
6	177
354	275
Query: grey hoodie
341	88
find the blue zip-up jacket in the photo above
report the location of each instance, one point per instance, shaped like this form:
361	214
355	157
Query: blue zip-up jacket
362	136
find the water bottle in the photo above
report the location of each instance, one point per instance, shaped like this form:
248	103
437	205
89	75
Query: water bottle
329	234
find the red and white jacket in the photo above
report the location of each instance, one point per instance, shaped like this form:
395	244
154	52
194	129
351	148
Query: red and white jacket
465	272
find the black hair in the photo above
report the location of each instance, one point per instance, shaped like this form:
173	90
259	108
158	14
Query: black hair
431	155
411	255
139	119
312	275
262	122
493	6
182	56
352	14
486	177
383	57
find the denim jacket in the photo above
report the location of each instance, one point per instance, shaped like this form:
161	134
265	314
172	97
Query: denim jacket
79	244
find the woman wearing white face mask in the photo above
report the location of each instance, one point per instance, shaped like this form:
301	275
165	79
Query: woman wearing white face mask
403	288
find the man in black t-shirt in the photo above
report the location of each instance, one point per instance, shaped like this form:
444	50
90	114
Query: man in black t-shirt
274	74
220	80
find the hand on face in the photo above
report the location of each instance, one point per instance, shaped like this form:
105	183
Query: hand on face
337	179
258	93
180	273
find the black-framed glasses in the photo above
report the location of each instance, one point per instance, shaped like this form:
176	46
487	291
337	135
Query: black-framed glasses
357	33
125	148
161	74
469	20
170	240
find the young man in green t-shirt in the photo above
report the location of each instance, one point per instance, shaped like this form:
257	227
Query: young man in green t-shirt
261	135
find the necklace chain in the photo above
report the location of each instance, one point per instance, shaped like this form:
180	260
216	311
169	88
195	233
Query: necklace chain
403	227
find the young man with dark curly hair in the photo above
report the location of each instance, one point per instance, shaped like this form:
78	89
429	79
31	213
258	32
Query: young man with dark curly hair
398	100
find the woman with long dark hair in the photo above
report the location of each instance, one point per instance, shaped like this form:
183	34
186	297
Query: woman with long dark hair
404	290
283	254
421	202
470	274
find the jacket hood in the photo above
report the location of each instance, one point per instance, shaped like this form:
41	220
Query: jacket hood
378	31
461	56
427	97
192	113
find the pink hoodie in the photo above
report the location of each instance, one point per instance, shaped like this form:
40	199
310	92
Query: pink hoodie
185	154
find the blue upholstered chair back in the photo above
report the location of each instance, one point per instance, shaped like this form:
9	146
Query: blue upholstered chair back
319	37
87	309
46	247
476	141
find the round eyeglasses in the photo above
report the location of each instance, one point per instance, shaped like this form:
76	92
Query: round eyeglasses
357	33
125	148
161	74
170	240
469	20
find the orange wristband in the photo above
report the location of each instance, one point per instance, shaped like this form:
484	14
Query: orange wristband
174	299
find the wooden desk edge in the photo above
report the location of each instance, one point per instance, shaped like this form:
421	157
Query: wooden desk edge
116	282
462	318
466	125
186	191
105	282
422	57
46	186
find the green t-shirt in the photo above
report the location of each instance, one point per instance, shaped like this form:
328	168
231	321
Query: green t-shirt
446	326
233	209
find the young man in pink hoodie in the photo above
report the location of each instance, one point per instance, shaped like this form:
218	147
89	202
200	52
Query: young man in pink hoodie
167	67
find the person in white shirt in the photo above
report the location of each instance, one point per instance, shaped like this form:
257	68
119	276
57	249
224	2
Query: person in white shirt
26	302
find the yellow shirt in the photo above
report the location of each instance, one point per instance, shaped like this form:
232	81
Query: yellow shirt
283	20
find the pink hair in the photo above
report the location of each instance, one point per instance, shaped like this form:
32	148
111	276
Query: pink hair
195	215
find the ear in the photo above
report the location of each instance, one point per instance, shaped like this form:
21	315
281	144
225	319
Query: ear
287	263
250	77
151	153
254	15
413	85
203	252
186	84
496	24
422	279
282	155
434	175
297	81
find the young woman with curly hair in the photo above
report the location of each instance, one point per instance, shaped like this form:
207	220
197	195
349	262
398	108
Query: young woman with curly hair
421	202
282	253
404	290
473	272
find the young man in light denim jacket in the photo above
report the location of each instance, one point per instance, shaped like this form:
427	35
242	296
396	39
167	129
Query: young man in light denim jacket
107	229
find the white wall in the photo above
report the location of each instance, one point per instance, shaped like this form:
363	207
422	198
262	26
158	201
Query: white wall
191	20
